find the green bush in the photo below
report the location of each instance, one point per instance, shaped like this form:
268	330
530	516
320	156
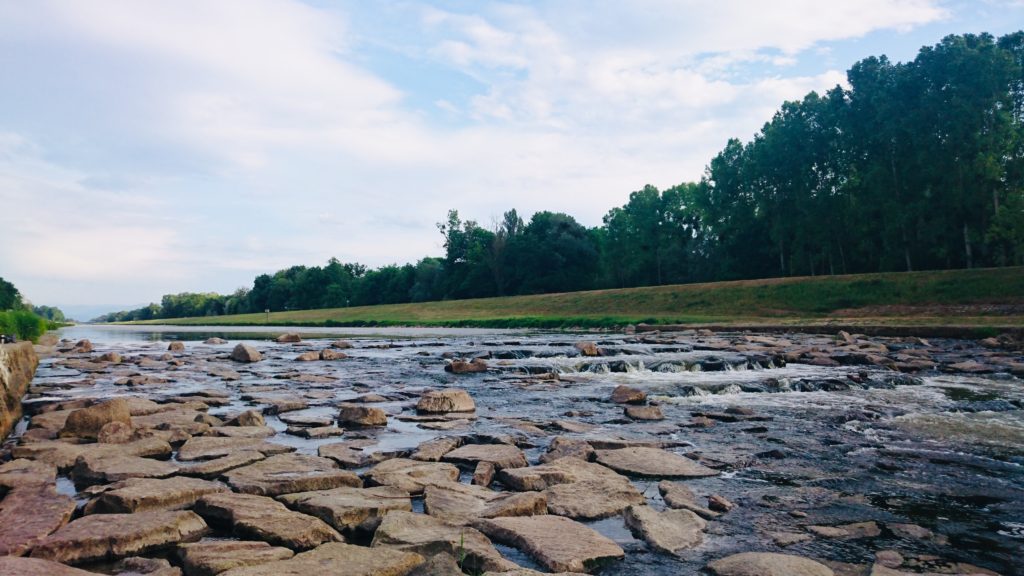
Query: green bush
23	324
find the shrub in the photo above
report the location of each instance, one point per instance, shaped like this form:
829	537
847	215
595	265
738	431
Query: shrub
23	324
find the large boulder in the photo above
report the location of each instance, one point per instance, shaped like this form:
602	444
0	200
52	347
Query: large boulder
627	395
443	401
265	519
88	422
588	348
288	338
245	353
361	416
108	536
767	564
559	544
17	367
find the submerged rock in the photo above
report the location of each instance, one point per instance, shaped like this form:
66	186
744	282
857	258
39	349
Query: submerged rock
767	564
559	544
463	367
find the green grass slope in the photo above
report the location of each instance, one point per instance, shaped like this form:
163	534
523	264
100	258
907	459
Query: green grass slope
988	297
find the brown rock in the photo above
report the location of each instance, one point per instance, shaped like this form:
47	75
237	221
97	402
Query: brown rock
501	455
628	395
328	354
106	536
427	536
243	432
463	367
176	347
356	415
112	357
345	455
142	494
310	356
245	353
557	543
315	432
588	348
847	531
215	341
670	531
87	422
23	472
15	566
655	462
101	469
767	564
247	418
644	412
337	559
217	466
348	508
288	473
484	474
207	448
64	455
19	361
460	503
783	539
341	344
210	558
575	488
411	475
443	401
288	338
265	519
28	514
139	566
679	496
433	450
561	447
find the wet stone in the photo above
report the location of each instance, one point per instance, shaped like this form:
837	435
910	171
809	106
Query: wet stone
287	473
847	531
561	447
107	536
462	503
671	531
654	462
644	412
444	401
245	353
344	454
356	415
315	432
559	544
15	566
209	558
501	455
217	466
348	508
139	566
23	472
91	469
265	519
628	395
767	564
575	488
208	448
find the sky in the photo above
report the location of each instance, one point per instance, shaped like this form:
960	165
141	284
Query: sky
159	146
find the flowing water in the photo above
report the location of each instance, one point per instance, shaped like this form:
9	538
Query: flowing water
818	445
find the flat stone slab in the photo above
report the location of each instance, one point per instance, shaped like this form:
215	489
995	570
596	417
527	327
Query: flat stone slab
347	508
463	503
209	558
412	475
501	455
345	454
141	494
108	536
575	488
427	535
767	564
671	531
114	468
23	472
677	495
338	559
30	513
288	473
652	462
63	455
15	566
217	466
265	519
434	450
357	415
557	543
208	447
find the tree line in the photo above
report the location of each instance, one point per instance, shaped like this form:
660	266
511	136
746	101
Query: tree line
915	165
21	319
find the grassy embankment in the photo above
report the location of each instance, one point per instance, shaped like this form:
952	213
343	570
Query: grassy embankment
980	299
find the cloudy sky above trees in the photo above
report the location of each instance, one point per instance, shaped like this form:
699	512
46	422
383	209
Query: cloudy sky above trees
149	147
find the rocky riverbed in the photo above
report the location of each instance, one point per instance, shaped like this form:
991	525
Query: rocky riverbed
497	452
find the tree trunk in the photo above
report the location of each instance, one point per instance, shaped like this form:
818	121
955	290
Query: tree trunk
967	247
